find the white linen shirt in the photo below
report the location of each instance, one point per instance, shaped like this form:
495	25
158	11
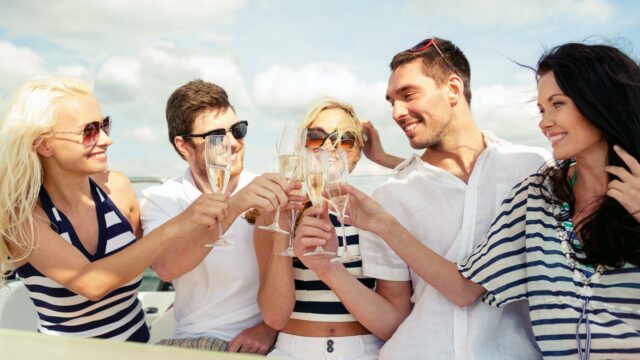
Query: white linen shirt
451	218
217	298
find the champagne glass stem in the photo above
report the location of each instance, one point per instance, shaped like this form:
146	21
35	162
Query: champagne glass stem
294	214
345	252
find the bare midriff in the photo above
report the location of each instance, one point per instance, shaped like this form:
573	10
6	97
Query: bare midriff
324	329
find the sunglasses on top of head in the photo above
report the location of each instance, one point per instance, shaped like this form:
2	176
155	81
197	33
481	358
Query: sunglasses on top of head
238	130
90	132
316	138
426	44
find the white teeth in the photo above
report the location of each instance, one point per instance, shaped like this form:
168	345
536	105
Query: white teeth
410	127
556	137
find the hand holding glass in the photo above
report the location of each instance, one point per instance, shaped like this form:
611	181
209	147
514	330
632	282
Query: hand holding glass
217	155
313	165
287	165
337	173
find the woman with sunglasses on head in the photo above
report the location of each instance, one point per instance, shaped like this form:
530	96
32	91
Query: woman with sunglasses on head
68	226
312	320
566	239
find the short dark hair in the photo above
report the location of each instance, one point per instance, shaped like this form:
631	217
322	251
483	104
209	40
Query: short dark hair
604	84
435	67
188	101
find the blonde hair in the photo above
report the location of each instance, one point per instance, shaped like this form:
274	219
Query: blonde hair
30	115
328	104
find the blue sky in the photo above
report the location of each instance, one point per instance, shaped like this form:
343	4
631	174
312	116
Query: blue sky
275	57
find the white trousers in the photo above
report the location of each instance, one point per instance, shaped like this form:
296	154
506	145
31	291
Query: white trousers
360	347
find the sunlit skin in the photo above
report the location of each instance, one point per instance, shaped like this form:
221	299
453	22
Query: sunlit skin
571	135
206	121
331	120
67	152
421	107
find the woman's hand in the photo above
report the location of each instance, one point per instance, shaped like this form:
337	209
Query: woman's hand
373	149
208	210
626	189
315	231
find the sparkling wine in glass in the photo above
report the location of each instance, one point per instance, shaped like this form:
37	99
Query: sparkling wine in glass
287	164
299	178
336	175
217	155
313	166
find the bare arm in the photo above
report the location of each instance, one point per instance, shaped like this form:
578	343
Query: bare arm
442	274
265	192
381	311
276	296
64	264
373	149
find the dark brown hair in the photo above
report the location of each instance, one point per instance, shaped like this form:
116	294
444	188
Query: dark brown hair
604	84
188	101
435	67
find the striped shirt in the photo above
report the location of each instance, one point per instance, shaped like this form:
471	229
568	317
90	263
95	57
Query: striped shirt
522	259
315	301
119	314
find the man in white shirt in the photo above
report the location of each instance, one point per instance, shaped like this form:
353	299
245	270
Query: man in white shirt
447	199
443	202
215	303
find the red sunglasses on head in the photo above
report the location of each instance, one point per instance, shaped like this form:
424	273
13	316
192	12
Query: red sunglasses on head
90	132
426	44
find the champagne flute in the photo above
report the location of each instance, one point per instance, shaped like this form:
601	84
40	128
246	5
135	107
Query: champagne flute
337	173
287	164
217	155
298	177
313	166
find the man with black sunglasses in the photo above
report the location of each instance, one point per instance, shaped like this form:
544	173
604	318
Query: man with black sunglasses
215	303
440	202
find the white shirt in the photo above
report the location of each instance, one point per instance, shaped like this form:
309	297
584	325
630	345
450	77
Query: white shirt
451	218
218	297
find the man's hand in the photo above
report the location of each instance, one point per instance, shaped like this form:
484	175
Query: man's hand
364	212
266	192
257	340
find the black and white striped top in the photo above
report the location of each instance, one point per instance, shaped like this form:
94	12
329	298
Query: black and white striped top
315	301
119	314
522	259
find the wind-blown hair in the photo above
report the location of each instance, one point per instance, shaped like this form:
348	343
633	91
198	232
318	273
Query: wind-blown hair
30	115
604	84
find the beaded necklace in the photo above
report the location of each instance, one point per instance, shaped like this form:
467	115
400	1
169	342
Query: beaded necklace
578	275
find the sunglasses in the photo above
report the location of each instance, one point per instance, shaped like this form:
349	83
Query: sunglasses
238	130
427	43
316	137
90	132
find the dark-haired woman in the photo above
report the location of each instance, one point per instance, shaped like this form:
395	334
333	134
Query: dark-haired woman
567	239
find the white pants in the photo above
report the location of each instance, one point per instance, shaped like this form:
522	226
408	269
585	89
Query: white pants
360	347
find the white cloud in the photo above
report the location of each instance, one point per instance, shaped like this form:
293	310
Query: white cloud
17	64
292	90
509	111
145	134
105	25
139	85
518	13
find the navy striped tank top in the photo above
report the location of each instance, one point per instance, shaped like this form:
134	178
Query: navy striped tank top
119	314
315	301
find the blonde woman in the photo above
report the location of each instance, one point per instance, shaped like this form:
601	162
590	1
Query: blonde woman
68	225
312	320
